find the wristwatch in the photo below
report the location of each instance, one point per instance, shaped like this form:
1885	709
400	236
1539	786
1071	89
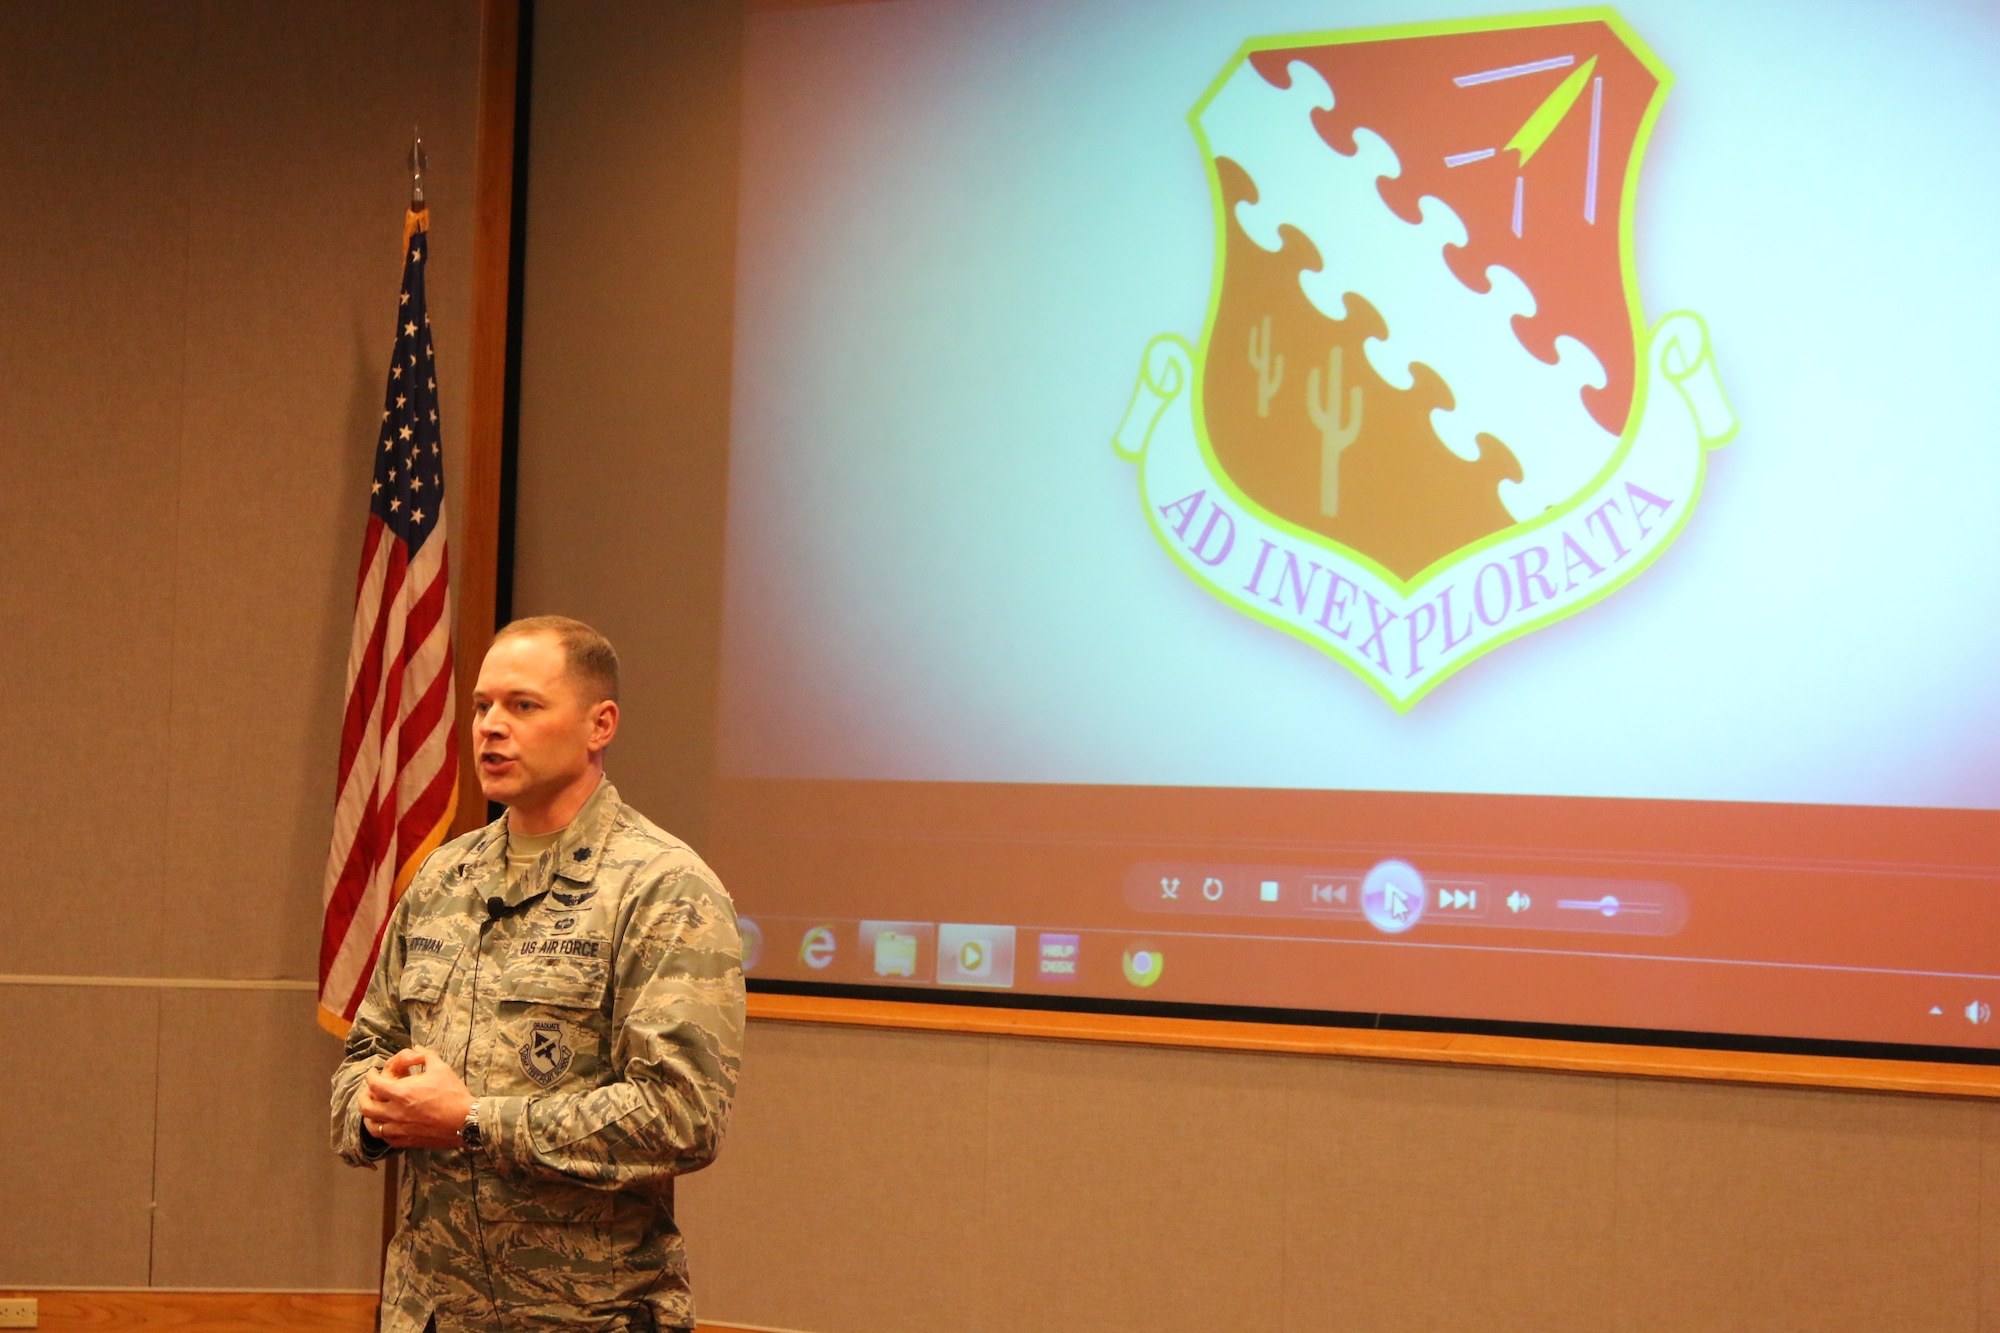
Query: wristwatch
468	1133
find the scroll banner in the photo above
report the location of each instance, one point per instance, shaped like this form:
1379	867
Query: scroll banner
1405	639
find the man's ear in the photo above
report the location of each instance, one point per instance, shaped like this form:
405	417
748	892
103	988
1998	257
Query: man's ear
603	723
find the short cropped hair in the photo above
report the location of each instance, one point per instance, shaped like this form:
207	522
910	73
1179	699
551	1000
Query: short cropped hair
593	662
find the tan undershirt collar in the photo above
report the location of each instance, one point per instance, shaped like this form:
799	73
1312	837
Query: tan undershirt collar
524	849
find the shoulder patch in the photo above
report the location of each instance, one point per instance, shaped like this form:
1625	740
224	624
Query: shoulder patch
546	1055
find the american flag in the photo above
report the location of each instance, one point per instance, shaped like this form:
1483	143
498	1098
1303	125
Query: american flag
398	786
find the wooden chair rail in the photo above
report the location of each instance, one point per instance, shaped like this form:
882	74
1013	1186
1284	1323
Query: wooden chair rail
1576	1057
216	1311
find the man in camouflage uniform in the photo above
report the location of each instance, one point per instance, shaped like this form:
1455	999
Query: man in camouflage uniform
552	1032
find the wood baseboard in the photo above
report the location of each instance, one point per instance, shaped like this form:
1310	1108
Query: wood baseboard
214	1311
205	1311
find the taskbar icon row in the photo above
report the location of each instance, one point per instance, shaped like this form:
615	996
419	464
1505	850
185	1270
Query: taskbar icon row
924	953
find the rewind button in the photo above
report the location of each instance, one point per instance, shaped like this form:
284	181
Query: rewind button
1337	895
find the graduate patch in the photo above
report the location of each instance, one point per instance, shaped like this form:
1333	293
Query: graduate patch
545	1057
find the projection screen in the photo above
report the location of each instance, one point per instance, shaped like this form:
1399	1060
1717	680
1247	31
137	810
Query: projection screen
1370	509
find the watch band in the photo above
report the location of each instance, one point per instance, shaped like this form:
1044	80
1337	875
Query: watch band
468	1133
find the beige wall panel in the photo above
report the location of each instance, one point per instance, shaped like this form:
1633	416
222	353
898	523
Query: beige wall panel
626	364
1133	1188
1745	1208
303	116
76	1179
847	1199
93	271
249	1193
1423	1197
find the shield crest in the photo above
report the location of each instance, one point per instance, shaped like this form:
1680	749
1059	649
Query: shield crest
1417	422
545	1057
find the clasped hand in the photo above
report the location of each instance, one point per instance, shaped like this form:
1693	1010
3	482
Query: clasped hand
415	1110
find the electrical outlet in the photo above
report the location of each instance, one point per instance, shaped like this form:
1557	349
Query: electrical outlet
20	1312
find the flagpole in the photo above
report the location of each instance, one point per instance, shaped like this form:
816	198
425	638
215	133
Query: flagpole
391	1165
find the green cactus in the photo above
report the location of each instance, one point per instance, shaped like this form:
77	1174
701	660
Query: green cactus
1270	374
1334	433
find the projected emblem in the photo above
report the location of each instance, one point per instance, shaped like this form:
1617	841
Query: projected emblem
1427	414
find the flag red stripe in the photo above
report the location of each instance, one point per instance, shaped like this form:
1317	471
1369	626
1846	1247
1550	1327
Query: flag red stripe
423	616
371	539
425	812
361	690
346	896
352	1001
369	841
424	808
379	835
367	685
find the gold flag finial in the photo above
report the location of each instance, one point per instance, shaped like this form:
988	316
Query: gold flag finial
417	164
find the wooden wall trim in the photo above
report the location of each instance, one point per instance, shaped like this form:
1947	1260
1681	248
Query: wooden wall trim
155	983
204	1311
214	1311
1574	1057
478	556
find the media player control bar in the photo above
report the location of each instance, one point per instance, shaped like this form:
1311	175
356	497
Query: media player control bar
1393	896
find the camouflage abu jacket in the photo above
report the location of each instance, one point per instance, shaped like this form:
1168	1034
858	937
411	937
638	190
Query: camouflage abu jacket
595	1010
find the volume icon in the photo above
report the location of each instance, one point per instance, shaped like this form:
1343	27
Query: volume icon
1519	902
1979	1012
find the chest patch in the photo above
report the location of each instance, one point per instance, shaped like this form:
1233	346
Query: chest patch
545	1056
574	900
